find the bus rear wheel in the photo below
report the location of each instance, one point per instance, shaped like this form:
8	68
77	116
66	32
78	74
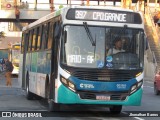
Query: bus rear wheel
116	109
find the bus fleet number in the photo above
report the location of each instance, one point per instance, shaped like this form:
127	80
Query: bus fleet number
80	14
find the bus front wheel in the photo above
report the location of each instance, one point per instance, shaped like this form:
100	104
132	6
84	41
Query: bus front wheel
116	109
52	106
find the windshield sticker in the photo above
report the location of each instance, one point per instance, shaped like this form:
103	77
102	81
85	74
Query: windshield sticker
81	59
74	59
109	58
100	64
90	59
109	64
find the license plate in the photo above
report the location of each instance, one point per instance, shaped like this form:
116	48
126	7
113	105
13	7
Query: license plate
102	97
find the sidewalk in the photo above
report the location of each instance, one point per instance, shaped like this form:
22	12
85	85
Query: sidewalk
148	79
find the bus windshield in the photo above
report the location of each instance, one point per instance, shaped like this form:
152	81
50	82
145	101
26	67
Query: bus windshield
78	50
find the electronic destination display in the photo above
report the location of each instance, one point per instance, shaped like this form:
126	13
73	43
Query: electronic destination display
104	15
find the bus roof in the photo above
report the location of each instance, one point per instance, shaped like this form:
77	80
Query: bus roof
59	11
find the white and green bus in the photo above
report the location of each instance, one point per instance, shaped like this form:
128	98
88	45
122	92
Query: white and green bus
64	57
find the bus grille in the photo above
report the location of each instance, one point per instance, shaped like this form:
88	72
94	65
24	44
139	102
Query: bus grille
92	96
103	75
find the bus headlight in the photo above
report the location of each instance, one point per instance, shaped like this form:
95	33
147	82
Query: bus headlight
133	88
71	85
136	86
64	81
68	83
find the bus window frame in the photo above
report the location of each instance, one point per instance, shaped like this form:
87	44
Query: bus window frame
30	40
43	36
47	34
50	35
39	33
34	41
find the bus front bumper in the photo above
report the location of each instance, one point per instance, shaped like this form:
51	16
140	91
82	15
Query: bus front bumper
66	96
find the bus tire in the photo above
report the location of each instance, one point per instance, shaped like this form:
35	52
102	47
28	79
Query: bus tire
116	109
47	88
156	91
52	106
29	95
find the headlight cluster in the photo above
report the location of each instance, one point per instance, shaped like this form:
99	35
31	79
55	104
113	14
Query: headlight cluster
68	83
136	86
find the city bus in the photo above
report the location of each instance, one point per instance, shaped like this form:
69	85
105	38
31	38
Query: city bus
64	57
14	56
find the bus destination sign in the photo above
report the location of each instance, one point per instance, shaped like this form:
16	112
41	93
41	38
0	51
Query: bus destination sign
104	15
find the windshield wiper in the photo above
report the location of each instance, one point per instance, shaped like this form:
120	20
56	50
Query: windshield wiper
121	32
89	34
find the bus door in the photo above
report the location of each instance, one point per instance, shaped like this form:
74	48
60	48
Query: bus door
24	43
54	57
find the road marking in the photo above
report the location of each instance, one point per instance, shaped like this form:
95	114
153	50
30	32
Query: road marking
138	118
149	82
148	86
124	113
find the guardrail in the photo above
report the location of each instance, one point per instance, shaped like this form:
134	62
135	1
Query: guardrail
25	6
155	62
154	32
46	6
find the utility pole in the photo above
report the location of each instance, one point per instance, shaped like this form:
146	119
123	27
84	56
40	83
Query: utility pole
35	4
87	2
17	12
51	2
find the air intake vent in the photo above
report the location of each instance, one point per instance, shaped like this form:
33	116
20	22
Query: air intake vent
103	75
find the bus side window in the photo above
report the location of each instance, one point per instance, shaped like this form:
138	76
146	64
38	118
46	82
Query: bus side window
50	36
30	40
39	37
47	30
43	39
34	39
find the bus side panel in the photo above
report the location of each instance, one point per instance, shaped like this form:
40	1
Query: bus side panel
43	62
32	80
43	69
33	72
41	78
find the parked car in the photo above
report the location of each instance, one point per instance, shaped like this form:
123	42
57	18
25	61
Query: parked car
157	83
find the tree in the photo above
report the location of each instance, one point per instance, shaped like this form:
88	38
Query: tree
2	34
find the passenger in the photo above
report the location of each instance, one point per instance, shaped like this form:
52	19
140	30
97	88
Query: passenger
8	70
117	47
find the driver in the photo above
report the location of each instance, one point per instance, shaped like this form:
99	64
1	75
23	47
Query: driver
117	47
